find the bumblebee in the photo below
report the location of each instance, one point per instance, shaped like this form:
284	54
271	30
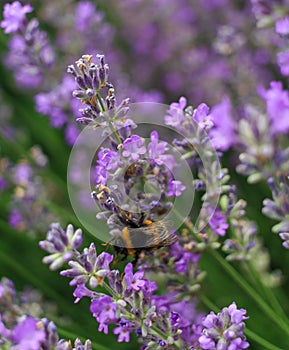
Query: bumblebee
142	236
138	233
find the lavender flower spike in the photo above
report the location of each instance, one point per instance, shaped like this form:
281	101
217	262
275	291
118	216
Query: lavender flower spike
60	244
90	267
225	330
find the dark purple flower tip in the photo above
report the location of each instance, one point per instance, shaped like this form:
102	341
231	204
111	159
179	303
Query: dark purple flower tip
271	182
162	343
175	319
71	70
138	332
200	185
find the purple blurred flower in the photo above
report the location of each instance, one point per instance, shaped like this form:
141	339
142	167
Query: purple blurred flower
22	174
157	149
14	17
283	62
183	260
282	26
44	105
277	101
107	160
223	132
277	208
30	55
182	264
225	330
175	188
28	76
16	219
86	16
71	133
218	223
261	7
3	330
27	335
175	114
56	103
202	117
133	147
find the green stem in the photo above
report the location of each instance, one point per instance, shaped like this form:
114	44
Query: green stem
110	290
112	129
250	291
32	279
115	133
61	211
263	342
188	155
100	102
270	296
206	301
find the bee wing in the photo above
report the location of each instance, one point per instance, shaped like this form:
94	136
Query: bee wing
155	235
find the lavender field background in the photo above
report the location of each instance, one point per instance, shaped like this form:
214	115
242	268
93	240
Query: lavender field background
221	70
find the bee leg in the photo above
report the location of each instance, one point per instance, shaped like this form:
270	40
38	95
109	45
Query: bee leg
121	251
136	257
125	254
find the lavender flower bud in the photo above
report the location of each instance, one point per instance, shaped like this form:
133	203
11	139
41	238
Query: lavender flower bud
61	245
224	330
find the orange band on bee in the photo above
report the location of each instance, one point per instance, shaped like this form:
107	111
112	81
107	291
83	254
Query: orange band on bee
126	238
148	222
